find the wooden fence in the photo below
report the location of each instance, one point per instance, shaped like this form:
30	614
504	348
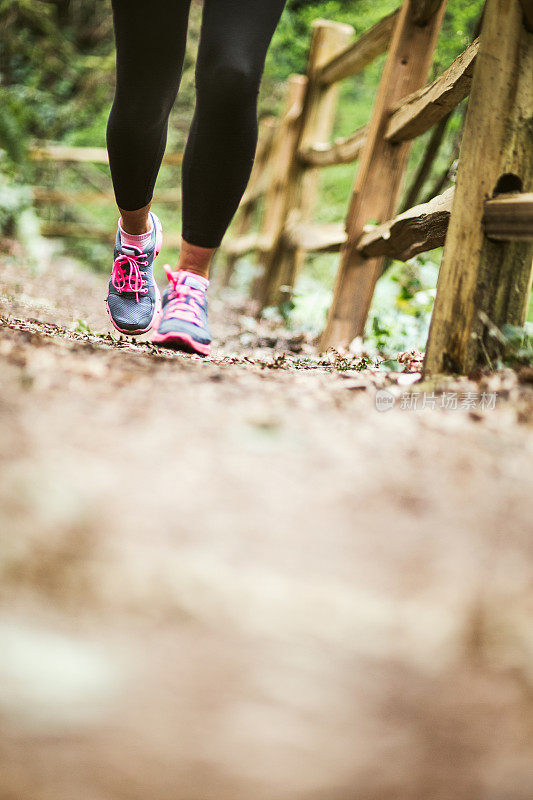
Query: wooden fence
485	221
83	160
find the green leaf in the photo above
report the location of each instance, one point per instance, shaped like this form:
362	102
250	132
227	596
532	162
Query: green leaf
391	365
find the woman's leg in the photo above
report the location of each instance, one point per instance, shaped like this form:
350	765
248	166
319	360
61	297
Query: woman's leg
219	155
220	149
150	41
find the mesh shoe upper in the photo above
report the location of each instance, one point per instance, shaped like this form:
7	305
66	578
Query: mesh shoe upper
185	306
132	290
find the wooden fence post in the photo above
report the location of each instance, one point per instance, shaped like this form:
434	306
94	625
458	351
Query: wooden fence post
281	157
381	170
251	198
318	116
478	276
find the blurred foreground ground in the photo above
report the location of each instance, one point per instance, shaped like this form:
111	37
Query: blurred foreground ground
235	579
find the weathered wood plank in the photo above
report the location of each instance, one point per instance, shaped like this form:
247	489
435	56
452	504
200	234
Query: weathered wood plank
42	195
415	231
479	276
96	155
416	114
284	147
247	243
260	175
315	238
240	245
55	152
252	194
343	150
360	53
259	178
379	178
77	230
509	217
283	156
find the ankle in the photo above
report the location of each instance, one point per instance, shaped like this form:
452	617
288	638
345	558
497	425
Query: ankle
203	272
135	228
135	223
194	258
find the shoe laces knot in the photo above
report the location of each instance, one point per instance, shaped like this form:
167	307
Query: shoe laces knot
127	275
185	302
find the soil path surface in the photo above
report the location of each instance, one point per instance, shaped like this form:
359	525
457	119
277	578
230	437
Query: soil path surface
235	577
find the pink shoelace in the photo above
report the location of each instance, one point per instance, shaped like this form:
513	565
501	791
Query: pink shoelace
186	302
127	276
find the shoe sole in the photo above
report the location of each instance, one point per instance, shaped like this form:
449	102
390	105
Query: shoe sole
158	303
182	342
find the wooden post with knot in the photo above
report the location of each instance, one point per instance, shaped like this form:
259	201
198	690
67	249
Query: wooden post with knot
485	281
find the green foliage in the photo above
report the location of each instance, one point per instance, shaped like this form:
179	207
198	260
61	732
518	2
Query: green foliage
401	310
55	80
518	349
14	199
513	344
48	78
13	127
81	326
391	365
290	46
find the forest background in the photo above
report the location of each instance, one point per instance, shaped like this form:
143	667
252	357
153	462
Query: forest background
57	80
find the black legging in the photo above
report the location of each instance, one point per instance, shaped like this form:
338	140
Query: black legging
150	39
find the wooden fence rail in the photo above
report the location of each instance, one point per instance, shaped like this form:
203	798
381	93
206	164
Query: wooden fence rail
100	194
485	223
95	155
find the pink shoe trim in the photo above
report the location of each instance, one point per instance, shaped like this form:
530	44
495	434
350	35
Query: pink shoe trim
182	338
158	234
158	310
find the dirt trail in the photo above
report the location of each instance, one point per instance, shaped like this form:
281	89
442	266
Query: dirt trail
265	587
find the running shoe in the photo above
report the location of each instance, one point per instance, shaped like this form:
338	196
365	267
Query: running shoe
183	324
134	300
